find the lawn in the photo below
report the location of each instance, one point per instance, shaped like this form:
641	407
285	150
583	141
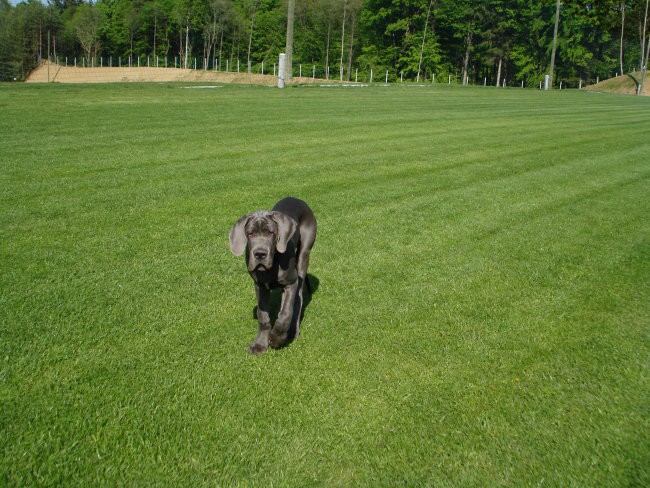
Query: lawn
482	309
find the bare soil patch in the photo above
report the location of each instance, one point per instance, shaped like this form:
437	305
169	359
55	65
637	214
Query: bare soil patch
57	73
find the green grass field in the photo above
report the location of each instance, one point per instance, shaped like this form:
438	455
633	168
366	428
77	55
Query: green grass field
482	313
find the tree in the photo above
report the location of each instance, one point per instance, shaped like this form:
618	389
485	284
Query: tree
644	54
86	21
288	60
557	21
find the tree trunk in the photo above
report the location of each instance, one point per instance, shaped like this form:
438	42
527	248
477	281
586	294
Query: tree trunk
554	47
424	37
468	47
220	48
499	72
345	11
327	46
155	31
622	33
349	70
187	40
644	55
288	60
250	38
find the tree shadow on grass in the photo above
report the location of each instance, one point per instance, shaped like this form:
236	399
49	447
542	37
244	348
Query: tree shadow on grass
308	290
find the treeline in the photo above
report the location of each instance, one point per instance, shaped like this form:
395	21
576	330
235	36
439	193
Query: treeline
469	40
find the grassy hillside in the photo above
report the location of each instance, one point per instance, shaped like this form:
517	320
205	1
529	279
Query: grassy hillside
481	316
625	84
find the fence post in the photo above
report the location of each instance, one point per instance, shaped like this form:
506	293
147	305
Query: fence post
281	70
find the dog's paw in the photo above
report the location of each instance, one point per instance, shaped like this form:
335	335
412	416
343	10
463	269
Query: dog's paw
278	340
256	348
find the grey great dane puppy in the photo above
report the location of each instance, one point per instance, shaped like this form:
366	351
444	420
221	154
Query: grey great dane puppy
277	245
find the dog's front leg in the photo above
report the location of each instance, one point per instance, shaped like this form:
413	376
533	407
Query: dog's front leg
279	333
261	342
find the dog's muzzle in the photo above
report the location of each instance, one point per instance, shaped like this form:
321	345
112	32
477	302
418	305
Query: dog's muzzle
260	260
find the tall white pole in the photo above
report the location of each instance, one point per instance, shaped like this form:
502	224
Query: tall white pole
281	70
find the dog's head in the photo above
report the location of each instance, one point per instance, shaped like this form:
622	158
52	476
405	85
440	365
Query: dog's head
262	233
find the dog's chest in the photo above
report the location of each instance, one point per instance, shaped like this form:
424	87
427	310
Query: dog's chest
280	275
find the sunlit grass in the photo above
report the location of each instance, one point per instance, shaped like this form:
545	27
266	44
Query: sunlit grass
481	316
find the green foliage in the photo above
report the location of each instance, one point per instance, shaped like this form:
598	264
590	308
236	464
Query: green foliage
468	35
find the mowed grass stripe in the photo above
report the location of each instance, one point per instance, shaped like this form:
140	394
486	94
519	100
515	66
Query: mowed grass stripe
481	315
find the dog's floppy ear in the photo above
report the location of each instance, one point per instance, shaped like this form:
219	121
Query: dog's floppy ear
238	236
286	229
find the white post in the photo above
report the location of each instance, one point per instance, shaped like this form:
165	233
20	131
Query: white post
401	77
522	83
281	70
580	86
597	79
433	79
370	75
449	80
485	81
238	66
547	79
300	71
313	72
356	75
387	77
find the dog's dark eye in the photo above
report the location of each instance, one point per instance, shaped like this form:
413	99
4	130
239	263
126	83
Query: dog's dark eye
268	233
250	234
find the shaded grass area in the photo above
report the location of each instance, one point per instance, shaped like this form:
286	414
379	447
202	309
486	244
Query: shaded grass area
482	311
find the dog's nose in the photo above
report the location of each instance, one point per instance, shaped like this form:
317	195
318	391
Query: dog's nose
259	255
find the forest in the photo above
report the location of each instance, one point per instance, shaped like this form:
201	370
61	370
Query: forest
470	41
